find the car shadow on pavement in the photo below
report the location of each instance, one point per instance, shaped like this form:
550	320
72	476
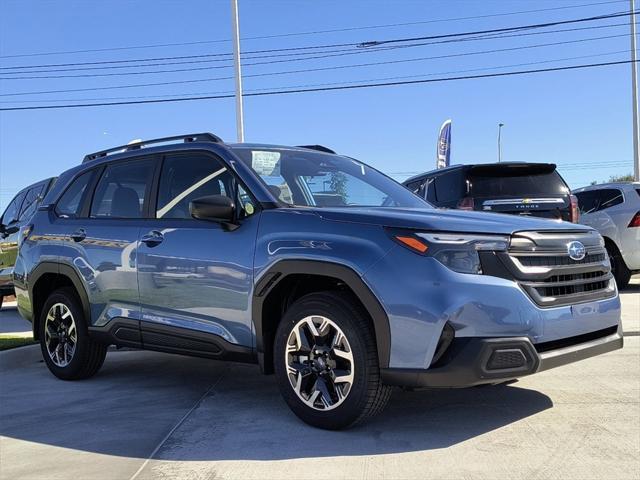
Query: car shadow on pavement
138	397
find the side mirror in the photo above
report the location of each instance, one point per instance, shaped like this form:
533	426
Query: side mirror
217	208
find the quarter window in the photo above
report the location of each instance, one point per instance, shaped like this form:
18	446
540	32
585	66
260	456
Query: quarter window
186	177
122	190
70	203
31	201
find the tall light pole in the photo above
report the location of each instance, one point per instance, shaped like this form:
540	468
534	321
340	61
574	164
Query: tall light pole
238	70
500	125
634	95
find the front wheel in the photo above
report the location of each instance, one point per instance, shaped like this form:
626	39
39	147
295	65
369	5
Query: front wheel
326	361
66	347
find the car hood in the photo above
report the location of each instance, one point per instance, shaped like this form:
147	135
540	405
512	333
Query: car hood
444	220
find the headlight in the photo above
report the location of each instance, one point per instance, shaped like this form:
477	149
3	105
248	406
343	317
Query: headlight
457	251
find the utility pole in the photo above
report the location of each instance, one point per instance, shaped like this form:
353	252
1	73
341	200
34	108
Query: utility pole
500	125
238	70
634	94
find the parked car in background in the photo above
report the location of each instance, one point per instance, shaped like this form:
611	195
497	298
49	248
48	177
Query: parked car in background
16	215
230	251
532	189
614	210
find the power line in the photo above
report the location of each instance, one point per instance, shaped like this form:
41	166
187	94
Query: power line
314	32
209	60
323	89
312	57
340	83
309	70
366	44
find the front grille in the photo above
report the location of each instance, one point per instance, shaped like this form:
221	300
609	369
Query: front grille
550	260
542	266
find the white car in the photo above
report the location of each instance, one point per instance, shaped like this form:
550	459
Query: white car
614	210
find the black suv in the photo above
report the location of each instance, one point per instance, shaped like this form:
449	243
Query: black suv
535	189
16	215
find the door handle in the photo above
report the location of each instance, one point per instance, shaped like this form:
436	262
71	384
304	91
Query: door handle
152	238
79	235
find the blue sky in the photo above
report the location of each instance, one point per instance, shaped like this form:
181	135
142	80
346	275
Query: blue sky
580	119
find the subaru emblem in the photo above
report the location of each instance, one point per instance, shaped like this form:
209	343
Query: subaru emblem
576	251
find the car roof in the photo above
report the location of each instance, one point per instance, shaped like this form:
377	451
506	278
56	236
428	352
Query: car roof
601	186
481	167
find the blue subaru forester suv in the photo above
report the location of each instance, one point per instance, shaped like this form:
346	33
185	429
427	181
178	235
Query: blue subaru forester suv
313	265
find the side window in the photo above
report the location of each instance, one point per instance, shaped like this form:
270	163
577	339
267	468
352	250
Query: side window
11	213
414	186
587	201
122	190
31	201
70	203
448	187
610	197
430	186
185	177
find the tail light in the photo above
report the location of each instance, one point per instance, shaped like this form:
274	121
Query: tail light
466	203
635	221
575	211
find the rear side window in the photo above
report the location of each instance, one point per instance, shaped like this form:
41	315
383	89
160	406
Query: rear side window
31	201
610	197
596	200
185	177
449	187
518	186
122	190
11	213
70	203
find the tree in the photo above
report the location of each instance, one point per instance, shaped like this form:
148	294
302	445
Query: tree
617	179
621	178
338	184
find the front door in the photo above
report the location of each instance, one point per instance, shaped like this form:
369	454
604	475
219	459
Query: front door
195	276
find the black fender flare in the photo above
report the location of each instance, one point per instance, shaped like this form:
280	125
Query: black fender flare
59	270
283	268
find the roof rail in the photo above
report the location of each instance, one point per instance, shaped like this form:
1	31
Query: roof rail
137	144
319	148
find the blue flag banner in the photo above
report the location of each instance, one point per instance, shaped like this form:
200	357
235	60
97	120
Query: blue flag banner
443	155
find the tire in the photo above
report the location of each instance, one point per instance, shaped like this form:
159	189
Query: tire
619	269
69	360
339	404
1	300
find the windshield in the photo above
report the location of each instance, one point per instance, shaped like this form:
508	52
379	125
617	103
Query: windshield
308	178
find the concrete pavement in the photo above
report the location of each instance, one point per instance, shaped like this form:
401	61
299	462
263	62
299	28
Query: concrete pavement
148	415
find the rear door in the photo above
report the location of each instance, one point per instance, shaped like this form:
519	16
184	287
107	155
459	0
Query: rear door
101	241
195	276
521	189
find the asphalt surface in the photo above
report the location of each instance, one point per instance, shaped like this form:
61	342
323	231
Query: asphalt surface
148	415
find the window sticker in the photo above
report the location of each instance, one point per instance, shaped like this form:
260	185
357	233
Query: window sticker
266	164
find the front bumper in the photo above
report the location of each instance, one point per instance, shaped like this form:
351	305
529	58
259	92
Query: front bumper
476	361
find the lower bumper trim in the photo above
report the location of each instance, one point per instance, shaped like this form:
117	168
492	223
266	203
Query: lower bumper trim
473	361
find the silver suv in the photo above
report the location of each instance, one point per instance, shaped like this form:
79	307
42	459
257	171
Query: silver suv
614	210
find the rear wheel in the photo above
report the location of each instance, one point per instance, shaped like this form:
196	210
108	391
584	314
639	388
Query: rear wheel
326	362
66	347
618	268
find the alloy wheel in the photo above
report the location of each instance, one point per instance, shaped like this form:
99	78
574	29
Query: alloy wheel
61	334
319	363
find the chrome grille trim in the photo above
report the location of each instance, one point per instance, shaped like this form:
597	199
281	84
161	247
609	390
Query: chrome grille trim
540	263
